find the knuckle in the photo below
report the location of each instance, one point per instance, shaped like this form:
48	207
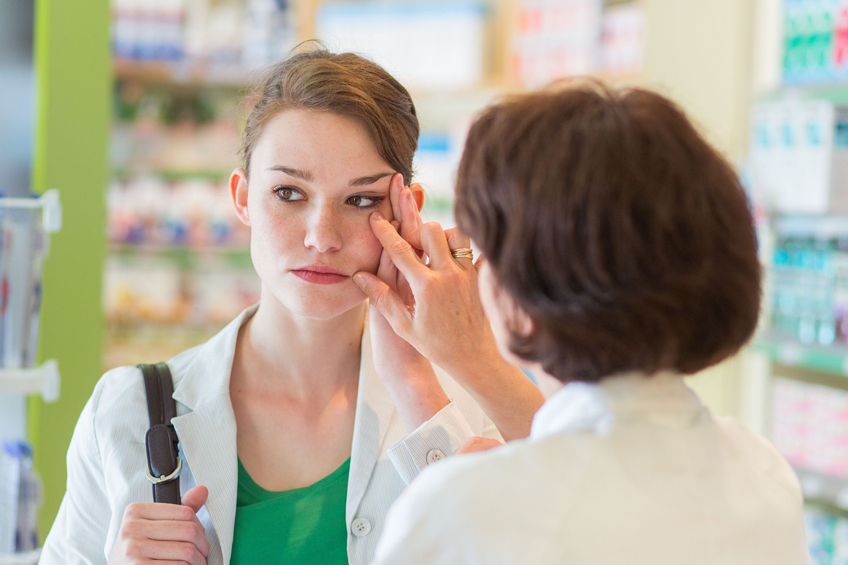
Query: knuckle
187	551
132	511
190	529
130	529
400	246
380	295
134	548
185	513
432	228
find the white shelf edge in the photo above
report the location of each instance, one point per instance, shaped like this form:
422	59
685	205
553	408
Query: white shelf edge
50	204
26	558
42	380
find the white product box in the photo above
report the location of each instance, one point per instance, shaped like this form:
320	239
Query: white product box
799	156
432	46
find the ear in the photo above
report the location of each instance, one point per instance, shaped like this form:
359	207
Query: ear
238	192
516	319
521	322
418	194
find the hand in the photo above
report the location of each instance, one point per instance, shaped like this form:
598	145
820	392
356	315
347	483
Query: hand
407	375
436	308
166	533
476	444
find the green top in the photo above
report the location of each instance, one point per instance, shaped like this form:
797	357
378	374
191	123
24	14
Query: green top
304	525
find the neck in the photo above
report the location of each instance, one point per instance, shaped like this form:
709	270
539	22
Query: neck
309	358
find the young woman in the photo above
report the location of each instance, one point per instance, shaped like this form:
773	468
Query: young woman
300	421
621	256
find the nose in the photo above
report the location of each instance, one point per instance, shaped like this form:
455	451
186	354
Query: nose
322	230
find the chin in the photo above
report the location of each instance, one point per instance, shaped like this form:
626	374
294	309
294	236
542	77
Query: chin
319	305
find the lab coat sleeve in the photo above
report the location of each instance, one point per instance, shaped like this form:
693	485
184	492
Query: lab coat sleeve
78	535
419	528
439	437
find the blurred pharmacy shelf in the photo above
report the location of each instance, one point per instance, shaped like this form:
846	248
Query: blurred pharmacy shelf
238	256
823	489
180	74
832	359
178	260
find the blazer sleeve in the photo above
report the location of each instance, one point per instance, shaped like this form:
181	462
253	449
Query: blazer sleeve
439	437
78	535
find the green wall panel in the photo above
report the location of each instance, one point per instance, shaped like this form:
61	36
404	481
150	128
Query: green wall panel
73	81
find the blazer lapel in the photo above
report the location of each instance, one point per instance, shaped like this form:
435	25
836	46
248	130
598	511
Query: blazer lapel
374	411
208	431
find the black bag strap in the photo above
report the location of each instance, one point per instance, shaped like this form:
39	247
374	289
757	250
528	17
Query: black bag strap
163	461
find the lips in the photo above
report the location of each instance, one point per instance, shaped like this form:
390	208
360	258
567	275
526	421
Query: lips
320	274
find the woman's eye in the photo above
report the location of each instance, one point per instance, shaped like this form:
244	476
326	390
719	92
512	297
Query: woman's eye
287	193
364	201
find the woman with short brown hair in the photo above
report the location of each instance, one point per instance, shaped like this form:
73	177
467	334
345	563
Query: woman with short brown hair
620	256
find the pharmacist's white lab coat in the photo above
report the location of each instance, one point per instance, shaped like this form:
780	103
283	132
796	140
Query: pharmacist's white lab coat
106	460
630	471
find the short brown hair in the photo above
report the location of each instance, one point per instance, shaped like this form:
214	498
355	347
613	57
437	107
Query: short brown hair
619	231
313	78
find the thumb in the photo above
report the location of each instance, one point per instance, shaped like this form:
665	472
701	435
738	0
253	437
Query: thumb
195	498
386	301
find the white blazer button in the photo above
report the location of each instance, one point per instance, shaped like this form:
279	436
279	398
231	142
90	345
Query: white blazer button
360	527
434	455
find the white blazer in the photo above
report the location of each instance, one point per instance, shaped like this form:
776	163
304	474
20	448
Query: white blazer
107	458
633	471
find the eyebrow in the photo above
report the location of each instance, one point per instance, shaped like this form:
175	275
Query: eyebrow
307	176
365	181
296	173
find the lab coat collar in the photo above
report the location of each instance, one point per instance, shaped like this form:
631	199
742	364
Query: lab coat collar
662	399
208	433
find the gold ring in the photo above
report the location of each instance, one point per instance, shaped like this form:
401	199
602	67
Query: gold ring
462	253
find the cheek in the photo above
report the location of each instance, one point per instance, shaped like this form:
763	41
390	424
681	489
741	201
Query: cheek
275	229
365	246
360	239
362	245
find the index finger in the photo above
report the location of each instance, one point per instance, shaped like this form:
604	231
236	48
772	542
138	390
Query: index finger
395	191
399	249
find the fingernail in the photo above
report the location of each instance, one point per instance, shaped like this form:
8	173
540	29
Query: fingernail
359	280
377	216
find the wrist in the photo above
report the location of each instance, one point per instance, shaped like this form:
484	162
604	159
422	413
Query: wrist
417	397
485	366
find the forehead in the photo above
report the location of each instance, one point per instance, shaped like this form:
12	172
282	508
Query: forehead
326	144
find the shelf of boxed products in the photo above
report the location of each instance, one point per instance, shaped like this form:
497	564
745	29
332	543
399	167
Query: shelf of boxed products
823	489
815	40
831	359
25	225
122	173
184	255
199	76
26	558
181	73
